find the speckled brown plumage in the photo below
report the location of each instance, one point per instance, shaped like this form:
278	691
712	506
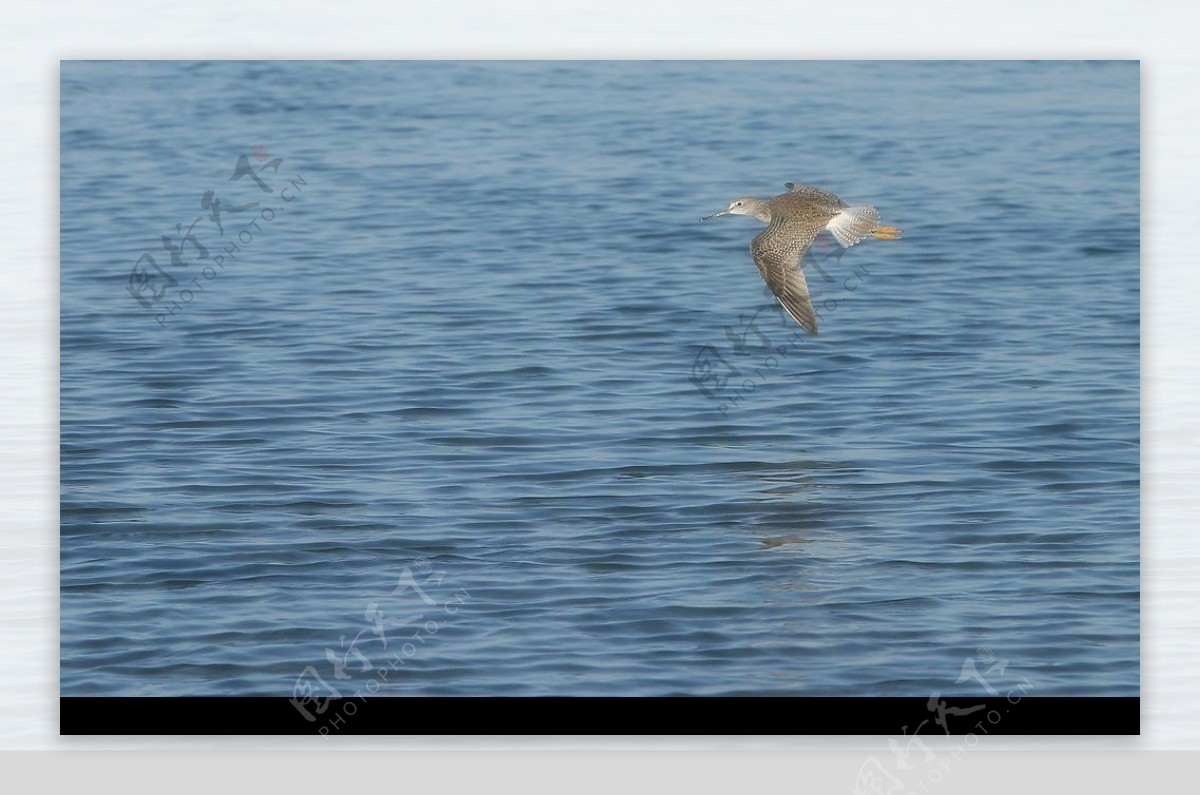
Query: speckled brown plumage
793	220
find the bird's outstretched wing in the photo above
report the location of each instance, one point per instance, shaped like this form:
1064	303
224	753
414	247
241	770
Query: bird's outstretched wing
814	195
777	252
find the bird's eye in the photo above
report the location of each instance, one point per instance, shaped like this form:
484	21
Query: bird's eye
739	204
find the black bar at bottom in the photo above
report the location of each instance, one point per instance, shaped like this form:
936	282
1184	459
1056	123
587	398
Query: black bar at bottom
1038	715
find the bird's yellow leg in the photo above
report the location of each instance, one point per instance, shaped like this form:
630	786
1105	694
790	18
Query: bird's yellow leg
886	233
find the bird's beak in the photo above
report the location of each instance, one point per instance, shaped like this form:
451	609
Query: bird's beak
716	214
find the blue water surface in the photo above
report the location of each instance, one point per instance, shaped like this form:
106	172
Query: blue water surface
462	383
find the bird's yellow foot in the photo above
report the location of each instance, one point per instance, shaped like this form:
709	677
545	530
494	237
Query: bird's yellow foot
886	233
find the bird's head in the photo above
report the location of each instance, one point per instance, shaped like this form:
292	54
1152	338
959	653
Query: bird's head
743	206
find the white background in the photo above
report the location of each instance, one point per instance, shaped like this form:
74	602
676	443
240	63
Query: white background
1162	34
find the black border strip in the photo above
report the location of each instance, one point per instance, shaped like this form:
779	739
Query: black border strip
377	715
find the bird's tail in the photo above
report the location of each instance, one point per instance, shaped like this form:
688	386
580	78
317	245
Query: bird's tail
852	224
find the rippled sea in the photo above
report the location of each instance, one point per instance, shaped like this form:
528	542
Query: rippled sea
470	387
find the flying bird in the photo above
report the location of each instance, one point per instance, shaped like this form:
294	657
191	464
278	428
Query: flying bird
793	220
